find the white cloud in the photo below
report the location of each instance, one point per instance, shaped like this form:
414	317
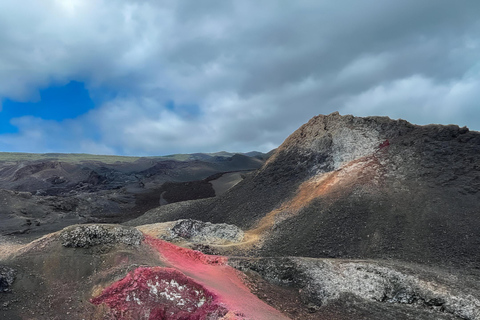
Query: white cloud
255	70
422	99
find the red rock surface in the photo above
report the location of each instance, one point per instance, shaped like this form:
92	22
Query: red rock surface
223	281
159	293
195	286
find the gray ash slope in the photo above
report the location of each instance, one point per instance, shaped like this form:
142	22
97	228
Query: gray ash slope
372	188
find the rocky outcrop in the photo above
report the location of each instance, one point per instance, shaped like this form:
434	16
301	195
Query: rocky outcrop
203	232
323	281
86	236
7	277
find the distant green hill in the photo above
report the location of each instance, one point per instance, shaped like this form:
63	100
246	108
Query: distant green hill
66	157
79	157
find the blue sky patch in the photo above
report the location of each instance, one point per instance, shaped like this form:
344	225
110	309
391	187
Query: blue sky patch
56	103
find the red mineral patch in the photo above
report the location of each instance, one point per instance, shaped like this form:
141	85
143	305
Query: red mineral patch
183	255
160	293
384	144
222	281
196	286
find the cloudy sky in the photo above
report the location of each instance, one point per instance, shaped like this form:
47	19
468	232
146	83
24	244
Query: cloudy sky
160	77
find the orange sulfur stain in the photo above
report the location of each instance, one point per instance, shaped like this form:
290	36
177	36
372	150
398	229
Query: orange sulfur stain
329	184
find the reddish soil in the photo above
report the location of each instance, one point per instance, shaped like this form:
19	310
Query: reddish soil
223	281
193	286
159	293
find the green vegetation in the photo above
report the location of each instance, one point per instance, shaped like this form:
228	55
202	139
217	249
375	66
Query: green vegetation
66	157
79	157
194	156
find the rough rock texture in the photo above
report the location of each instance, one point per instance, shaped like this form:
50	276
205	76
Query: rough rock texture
323	281
159	293
7	277
86	236
203	232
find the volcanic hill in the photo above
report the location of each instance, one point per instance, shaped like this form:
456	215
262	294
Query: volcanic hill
350	218
368	188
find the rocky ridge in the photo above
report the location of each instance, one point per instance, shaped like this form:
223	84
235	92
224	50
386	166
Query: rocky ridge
203	232
188	232
322	281
85	236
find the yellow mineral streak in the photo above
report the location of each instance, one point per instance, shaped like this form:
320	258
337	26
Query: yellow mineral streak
330	184
156	229
8	248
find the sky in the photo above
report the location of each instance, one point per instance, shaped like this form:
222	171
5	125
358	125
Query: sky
172	76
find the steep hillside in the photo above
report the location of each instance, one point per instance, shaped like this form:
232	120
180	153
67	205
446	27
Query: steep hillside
348	187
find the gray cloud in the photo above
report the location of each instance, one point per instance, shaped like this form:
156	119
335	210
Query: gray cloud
256	70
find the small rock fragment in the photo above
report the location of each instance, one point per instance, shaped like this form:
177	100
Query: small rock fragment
7	277
86	236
